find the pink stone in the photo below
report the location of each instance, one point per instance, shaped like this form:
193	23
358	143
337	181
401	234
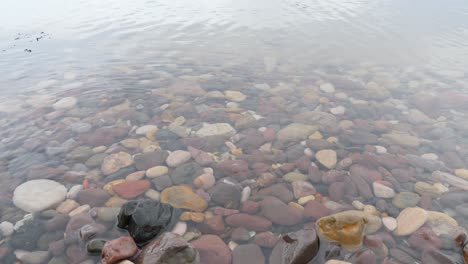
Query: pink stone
118	249
251	222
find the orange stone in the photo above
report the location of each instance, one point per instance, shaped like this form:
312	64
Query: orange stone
183	197
131	189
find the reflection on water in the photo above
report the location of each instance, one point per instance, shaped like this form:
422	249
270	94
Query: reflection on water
274	113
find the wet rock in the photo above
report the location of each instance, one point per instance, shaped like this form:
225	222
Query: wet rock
205	181
185	173
336	191
37	195
115	162
296	248
156	171
315	210
248	253
6	229
327	158
76	254
302	188
95	160
295	176
280	213
47	238
168	248
226	194
424	238
177	158
405	199
93	197
57	248
218	129
91	230
183	197
250	222
146	219
103	136
95	246
347	228
118	249
32	257
212	225
279	191
409	220
44	172
266	239
325	121
212	250
240	234
200	156
162	182
295	132
382	191
131	189
237	169
148	160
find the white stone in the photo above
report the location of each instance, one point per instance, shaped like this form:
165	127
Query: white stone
34	257
245	193
26	218
177	158
232	245
389	222
73	192
37	195
152	194
65	103
358	205
145	129
382	191
339	110
381	149
327	87
218	129
308	152
430	156
180	228
6	228
409	220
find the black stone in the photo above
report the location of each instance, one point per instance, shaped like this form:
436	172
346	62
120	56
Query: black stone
147	219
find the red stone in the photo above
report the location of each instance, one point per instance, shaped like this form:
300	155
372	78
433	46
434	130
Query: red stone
118	249
131	189
315	210
251	222
212	250
250	207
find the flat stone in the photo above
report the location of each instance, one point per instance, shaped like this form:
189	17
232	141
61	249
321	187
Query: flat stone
382	191
157	171
348	228
183	197
405	199
212	250
131	189
327	158
115	162
296	132
218	129
177	158
37	195
409	220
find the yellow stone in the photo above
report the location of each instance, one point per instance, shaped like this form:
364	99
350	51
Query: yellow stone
324	100
115	201
191	216
236	151
131	143
109	185
306	199
182	196
316	135
150	134
332	139
462	173
434	215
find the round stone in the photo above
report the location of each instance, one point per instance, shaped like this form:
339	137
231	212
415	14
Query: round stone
157	171
37	195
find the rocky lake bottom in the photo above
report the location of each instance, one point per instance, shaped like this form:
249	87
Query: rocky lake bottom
366	164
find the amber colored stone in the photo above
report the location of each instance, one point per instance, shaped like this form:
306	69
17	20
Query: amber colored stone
183	197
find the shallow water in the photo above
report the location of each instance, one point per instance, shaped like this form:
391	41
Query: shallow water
384	82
